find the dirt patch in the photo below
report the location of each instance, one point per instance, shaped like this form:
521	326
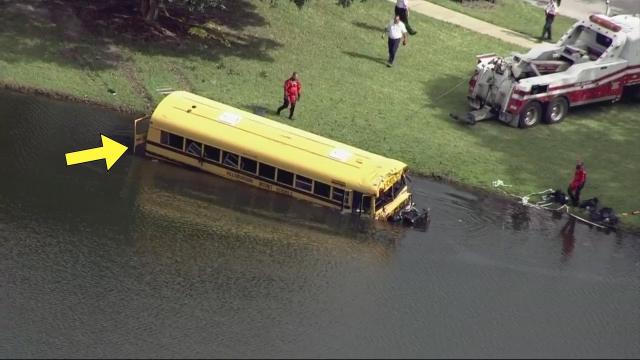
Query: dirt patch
137	85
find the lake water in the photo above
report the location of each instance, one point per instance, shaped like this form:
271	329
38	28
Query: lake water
152	260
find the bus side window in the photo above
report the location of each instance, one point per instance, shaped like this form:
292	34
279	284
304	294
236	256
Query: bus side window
194	148
249	165
172	140
321	189
230	159
337	195
285	177
267	171
212	153
303	183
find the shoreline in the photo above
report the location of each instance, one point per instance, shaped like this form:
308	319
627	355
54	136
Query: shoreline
445	179
57	95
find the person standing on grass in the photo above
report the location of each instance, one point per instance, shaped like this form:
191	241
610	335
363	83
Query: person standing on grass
292	93
550	12
396	31
576	185
402	10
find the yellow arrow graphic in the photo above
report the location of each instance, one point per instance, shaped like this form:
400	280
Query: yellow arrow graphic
110	151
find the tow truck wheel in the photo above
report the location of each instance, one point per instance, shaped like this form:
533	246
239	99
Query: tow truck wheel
556	110
530	115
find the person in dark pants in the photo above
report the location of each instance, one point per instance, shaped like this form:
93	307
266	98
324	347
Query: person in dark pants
396	31
579	179
402	10
292	93
550	13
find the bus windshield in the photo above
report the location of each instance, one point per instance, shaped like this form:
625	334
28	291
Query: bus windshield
390	194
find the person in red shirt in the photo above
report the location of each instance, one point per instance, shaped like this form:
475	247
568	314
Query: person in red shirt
292	93
576	185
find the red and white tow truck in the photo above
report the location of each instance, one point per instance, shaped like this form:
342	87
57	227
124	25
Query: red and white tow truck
598	59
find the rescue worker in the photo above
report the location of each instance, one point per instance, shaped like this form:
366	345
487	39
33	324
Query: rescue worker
402	10
292	93
550	12
396	31
576	185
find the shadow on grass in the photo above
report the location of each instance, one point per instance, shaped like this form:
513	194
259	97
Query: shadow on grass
261	110
92	34
365	26
379	60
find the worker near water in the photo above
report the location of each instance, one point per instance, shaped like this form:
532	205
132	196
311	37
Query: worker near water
292	93
396	31
550	12
402	10
576	185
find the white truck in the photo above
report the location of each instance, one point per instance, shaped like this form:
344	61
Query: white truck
598	59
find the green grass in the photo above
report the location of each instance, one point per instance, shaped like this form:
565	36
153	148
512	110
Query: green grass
516	15
350	96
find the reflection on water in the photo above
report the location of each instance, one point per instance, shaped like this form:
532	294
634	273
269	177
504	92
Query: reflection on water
156	260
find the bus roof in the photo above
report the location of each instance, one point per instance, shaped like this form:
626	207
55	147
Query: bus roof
276	144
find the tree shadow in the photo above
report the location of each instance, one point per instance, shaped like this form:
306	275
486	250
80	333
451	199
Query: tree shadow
379	60
92	35
366	26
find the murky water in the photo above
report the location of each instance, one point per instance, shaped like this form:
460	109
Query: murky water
155	260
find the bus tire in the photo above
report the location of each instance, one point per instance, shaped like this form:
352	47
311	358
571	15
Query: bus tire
557	110
530	115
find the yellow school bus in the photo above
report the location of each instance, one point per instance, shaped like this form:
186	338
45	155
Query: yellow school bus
219	139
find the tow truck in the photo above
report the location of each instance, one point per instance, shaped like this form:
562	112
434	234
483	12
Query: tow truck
597	59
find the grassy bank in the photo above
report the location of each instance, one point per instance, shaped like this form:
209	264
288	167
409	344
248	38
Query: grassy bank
517	15
350	95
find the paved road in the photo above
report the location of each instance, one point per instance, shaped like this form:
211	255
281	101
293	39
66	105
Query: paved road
580	9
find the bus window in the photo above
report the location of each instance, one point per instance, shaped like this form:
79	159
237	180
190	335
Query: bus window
172	140
357	201
194	147
338	195
366	204
230	159
267	171
212	153
321	189
249	165
303	183
285	177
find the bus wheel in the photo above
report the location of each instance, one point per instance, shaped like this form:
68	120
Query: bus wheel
556	110
530	115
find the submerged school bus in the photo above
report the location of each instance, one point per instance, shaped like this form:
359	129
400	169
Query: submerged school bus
201	133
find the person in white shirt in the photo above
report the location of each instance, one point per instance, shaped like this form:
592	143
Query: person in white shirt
402	10
550	12
396	31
